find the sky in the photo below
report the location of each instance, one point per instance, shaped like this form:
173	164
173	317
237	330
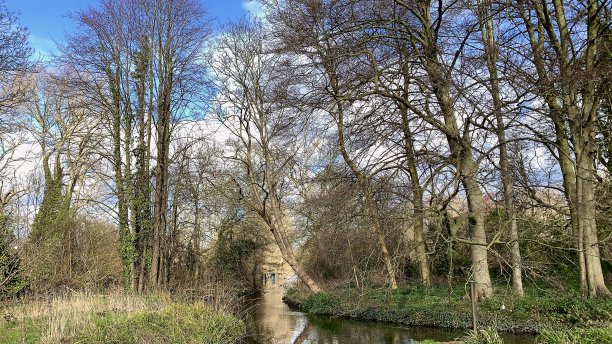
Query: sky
47	20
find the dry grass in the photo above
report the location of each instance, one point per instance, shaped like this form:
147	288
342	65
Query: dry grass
198	316
64	316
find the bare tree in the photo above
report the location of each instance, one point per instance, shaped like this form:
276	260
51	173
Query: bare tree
142	62
255	86
15	61
486	18
15	66
178	31
563	42
65	131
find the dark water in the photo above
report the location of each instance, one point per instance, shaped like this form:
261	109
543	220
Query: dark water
270	321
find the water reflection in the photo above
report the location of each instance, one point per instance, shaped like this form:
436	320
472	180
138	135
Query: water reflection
271	321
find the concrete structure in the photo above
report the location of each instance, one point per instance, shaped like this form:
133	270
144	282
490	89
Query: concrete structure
275	271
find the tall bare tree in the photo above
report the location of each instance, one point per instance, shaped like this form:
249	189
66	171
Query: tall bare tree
65	130
489	35
178	30
256	86
142	62
15	61
563	41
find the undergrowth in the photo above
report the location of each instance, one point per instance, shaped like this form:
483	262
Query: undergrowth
116	318
441	307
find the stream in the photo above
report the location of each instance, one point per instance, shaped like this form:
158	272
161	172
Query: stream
271	321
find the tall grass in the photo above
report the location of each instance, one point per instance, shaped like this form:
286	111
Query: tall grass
178	323
116	317
488	336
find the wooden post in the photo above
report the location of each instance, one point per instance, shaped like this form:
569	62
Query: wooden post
473	299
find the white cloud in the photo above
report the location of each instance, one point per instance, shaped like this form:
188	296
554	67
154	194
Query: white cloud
44	47
253	7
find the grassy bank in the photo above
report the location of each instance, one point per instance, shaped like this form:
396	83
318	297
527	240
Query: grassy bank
440	307
116	318
574	336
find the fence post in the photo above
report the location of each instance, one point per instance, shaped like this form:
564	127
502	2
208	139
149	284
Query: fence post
473	299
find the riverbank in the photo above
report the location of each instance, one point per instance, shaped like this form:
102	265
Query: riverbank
116	318
444	308
271	321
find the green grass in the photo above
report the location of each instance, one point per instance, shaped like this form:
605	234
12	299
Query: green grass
440	307
179	323
27	332
576	336
488	336
117	318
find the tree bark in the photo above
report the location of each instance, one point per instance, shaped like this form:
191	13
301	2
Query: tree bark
362	179
490	48
461	151
278	228
573	105
417	195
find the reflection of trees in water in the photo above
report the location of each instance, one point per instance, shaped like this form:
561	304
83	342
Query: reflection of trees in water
329	330
304	334
259	333
256	331
322	330
269	321
335	330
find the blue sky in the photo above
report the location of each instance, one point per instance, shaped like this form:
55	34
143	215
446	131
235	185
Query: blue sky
47	21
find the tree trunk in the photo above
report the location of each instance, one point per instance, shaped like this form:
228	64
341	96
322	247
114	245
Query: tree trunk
161	190
461	154
273	214
490	48
467	169
479	249
164	99
417	195
570	190
586	179
122	206
595	278
364	184
195	240
278	229
587	153
421	251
